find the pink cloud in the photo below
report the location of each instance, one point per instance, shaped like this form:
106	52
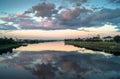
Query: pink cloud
70	14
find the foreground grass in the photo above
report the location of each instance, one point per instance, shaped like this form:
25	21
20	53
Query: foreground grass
109	47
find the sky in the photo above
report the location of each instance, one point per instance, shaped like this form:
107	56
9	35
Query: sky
59	19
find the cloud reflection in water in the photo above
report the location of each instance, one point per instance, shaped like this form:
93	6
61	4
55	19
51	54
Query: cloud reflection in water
67	65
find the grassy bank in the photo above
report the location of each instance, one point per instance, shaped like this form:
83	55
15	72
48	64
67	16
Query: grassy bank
7	47
109	47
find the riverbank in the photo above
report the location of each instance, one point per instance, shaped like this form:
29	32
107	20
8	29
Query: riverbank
7	47
109	47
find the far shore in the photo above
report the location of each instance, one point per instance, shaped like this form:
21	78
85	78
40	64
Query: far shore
108	47
4	48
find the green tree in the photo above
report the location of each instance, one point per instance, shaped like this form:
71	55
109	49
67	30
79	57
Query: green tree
117	39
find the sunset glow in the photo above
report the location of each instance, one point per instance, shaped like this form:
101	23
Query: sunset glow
52	19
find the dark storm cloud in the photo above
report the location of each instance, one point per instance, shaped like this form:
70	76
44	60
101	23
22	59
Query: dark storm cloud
43	10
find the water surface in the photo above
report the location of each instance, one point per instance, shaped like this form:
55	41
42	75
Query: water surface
55	60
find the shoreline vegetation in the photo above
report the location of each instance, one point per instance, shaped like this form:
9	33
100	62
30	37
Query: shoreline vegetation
97	44
108	47
8	44
8	48
106	44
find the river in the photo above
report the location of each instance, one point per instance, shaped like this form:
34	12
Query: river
55	60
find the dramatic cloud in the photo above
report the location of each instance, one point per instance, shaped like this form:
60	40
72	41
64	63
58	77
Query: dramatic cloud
85	18
80	1
72	18
114	1
43	23
102	17
77	2
21	15
4	18
13	17
29	11
51	16
15	22
9	26
43	10
70	14
24	22
68	19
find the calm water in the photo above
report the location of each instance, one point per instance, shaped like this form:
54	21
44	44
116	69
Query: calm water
55	60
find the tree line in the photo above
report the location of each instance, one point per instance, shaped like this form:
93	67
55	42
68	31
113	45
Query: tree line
97	39
7	41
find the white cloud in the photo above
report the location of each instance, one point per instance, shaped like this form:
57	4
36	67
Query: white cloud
14	25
